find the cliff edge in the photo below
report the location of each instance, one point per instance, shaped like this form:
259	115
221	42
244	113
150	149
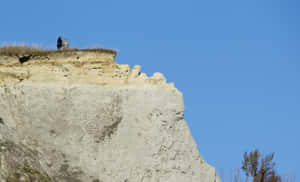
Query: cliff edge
79	116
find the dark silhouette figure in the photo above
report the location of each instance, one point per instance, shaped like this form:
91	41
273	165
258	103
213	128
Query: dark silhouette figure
59	43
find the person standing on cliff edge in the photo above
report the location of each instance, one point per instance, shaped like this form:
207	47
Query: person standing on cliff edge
59	43
65	44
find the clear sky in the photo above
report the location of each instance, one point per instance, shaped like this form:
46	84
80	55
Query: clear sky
236	62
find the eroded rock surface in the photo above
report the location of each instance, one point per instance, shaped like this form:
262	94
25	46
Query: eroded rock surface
82	117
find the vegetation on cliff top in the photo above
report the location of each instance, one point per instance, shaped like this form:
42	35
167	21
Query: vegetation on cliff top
21	50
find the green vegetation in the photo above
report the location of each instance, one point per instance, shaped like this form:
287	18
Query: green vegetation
28	174
41	176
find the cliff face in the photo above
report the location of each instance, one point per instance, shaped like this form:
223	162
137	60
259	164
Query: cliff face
79	116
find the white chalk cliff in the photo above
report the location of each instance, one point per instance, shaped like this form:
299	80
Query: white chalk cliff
77	116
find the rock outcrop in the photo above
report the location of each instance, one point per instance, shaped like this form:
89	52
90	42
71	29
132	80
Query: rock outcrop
75	116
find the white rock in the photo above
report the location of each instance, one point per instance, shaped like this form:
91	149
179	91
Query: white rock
93	125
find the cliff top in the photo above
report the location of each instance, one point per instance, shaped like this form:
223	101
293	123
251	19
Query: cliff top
34	51
23	64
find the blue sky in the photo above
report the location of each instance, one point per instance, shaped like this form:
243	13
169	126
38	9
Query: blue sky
236	62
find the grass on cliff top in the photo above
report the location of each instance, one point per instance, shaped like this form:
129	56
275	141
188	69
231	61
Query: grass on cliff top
21	50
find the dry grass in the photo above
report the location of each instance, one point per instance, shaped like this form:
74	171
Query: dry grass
23	50
18	50
111	51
